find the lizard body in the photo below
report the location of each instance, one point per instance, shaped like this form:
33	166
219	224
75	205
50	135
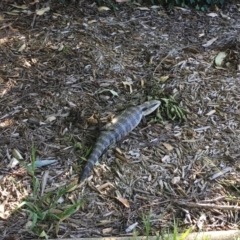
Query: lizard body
117	129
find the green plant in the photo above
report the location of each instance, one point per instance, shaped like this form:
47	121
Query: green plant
170	108
175	236
147	223
183	235
43	208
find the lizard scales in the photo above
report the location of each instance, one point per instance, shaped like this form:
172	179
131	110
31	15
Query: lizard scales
117	129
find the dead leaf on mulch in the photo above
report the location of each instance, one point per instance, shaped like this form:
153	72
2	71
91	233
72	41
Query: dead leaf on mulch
168	146
209	42
124	201
103	8
41	11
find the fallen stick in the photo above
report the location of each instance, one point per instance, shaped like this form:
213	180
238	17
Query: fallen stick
206	205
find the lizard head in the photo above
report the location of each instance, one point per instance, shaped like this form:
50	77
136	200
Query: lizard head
150	106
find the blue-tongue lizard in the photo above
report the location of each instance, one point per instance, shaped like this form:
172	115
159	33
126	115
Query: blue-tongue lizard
119	127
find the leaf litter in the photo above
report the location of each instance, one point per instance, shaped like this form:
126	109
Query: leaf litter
187	170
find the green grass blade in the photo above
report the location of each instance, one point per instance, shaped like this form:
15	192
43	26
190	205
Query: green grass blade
68	212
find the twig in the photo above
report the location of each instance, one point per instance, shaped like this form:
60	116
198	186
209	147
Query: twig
169	53
203	205
162	61
214	199
34	17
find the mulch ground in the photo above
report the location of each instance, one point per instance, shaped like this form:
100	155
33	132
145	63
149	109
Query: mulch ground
65	70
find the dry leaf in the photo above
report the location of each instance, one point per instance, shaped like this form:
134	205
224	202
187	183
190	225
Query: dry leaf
201	221
109	90
210	42
131	227
41	11
51	118
6	122
180	8
13	13
168	146
155	7
220	58
165	159
212	14
92	120
107	230
104	186
34	120
56	211
175	180
162	13
118	150
92	21
211	113
143	8
32	3
136	154
1	18
54	47
20	7
2	213
57	14
44	181
16	154
13	163
224	16
126	83
163	78
124	201
61	47
41	163
218	174
103	8
60	200
22	47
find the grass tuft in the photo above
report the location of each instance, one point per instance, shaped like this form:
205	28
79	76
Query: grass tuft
43	208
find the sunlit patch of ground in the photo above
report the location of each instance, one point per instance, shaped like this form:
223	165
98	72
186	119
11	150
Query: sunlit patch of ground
12	195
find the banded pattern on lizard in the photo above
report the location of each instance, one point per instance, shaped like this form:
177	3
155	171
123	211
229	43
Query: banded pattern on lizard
117	129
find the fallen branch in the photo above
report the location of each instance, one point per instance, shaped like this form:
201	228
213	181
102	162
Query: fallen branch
213	206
